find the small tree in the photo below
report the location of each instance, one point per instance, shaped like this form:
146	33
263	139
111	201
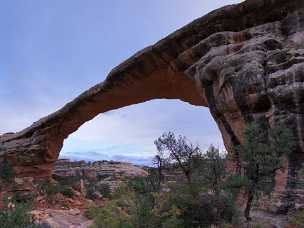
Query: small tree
263	152
6	171
159	162
50	190
213	170
179	151
17	214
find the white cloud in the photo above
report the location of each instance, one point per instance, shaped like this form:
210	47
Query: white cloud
132	130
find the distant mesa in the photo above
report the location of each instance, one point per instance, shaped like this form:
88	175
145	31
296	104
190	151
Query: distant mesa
112	173
96	155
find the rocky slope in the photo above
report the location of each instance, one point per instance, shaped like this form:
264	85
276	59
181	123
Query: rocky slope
244	62
56	218
79	187
111	173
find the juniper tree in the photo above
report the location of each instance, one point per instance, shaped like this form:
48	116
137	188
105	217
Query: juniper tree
263	152
213	169
180	151
159	162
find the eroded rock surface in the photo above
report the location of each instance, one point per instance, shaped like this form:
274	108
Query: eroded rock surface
111	173
56	218
245	62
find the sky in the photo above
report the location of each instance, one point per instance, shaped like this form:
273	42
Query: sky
52	50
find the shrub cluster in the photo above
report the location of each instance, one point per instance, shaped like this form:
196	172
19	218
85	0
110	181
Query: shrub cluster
17	215
93	189
6	172
201	193
51	189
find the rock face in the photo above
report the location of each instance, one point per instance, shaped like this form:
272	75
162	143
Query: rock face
56	218
111	173
245	62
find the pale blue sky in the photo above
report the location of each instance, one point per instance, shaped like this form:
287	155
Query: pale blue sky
52	50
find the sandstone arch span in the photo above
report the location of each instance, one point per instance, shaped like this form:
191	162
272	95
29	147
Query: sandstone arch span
245	62
39	145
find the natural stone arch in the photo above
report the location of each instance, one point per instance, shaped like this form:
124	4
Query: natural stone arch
34	150
245	62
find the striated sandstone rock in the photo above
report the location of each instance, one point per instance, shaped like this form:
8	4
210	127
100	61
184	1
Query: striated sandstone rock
72	218
245	62
100	172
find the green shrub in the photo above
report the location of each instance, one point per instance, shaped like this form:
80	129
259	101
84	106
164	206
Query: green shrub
6	171
23	197
104	189
138	184
257	225
50	189
172	222
17	216
92	211
112	216
90	193
297	218
205	210
72	181
93	190
67	191
132	205
234	184
263	151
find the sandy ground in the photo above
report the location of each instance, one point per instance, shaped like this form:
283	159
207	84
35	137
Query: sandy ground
72	218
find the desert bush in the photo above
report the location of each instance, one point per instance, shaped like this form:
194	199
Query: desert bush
112	217
204	209
71	181
138	207
118	212
50	189
104	189
6	171
296	217
67	191
90	192
103	176
263	151
177	150
201	199
17	215
137	184
23	197
92	211
234	184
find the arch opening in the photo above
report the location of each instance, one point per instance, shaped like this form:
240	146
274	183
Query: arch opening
127	134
